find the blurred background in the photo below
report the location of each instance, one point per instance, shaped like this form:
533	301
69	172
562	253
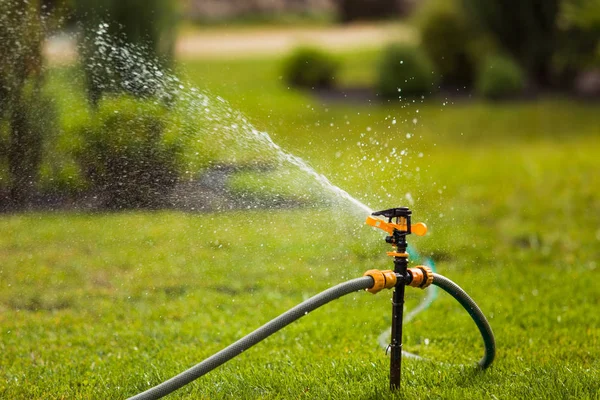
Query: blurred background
343	51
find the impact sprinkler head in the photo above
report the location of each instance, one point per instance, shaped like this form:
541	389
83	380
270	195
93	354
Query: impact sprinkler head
398	222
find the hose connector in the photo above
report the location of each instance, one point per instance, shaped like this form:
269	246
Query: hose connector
382	279
421	275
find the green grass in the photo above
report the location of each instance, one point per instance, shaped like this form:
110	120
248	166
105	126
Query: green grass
105	305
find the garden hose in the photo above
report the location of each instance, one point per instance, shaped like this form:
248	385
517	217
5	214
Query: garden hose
297	312
475	312
253	338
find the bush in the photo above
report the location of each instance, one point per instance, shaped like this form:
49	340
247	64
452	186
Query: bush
449	40
579	38
525	29
33	123
127	156
310	68
500	78
27	115
405	70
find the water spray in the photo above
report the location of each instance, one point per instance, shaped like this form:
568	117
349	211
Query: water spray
216	115
398	226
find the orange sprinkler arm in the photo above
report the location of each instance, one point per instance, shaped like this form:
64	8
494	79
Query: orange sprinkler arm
418	229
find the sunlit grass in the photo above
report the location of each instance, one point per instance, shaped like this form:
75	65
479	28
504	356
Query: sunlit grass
105	305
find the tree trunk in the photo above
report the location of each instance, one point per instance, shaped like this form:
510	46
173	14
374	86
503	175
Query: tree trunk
24	155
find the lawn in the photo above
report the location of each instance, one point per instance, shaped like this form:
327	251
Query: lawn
107	305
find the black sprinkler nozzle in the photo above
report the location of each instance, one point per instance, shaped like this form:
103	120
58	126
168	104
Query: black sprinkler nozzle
394	212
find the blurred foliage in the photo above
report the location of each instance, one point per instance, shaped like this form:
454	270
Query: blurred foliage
24	141
128	155
405	70
148	24
60	175
501	77
450	40
579	27
310	67
581	14
525	29
552	40
27	115
360	10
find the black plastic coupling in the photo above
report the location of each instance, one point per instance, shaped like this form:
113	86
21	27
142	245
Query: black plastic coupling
403	279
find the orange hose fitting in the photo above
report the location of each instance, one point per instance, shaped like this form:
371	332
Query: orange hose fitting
382	279
396	254
422	276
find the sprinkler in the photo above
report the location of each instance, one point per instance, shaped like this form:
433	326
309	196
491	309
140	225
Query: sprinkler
398	225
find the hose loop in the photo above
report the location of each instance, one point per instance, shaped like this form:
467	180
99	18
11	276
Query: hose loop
304	308
476	314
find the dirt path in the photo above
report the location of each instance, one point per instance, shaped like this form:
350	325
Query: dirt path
221	43
276	41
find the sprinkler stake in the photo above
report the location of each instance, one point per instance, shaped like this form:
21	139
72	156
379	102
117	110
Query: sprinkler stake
398	226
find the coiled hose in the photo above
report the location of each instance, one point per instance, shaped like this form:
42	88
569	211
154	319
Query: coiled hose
252	338
475	312
304	308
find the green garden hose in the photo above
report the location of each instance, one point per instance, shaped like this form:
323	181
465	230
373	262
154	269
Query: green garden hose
253	338
475	312
297	312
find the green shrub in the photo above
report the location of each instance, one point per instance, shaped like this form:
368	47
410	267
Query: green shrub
524	29
27	115
449	40
500	77
405	70
60	174
127	155
579	35
310	68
